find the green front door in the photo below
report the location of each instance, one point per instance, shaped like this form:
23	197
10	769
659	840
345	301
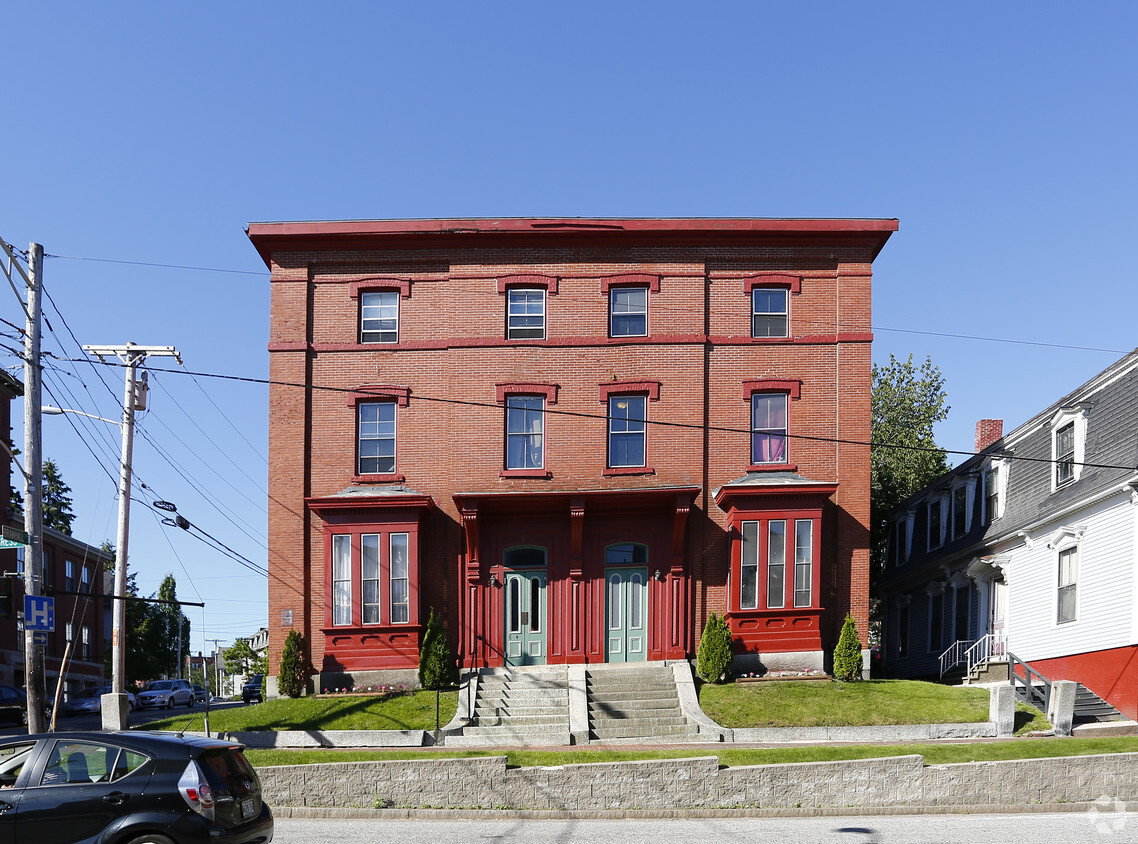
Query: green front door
526	620
626	615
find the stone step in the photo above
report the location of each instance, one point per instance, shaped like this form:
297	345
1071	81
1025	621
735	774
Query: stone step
635	694
521	721
503	737
516	731
691	737
630	710
646	726
633	730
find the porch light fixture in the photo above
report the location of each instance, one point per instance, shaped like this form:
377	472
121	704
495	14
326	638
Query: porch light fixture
657	575
494	580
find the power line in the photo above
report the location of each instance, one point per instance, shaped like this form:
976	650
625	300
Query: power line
604	418
159	266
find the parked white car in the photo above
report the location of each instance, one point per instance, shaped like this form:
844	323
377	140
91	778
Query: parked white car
91	700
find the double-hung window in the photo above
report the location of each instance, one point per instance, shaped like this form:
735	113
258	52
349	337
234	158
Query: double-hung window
85	642
379	316
768	428
69	575
85	579
959	511
342	579
628	431
400	578
935	535
628	312
376	438
770	315
803	562
525	432
369	578
1065	454
1068	584
992	494
525	313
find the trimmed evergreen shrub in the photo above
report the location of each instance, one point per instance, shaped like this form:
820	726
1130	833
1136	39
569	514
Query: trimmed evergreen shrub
847	653
437	668
293	676
713	658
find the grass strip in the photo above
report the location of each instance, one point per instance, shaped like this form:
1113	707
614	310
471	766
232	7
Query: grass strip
938	753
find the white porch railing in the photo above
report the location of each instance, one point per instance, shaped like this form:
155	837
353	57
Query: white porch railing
954	655
986	647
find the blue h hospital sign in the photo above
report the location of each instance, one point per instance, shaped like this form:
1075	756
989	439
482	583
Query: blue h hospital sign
39	613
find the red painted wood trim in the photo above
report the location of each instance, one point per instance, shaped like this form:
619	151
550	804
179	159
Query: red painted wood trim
540	474
773	467
527	388
376	392
791	386
652	282
619	388
791	282
548	282
618	471
575	342
388	478
403	285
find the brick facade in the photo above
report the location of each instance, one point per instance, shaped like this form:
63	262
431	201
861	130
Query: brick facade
578	531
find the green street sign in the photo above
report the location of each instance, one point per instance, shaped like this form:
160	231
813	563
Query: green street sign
11	537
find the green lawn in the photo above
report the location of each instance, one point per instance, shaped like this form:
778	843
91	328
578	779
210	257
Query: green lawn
413	711
818	703
939	753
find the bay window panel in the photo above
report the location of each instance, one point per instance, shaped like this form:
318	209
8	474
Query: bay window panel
749	567
776	564
400	580
803	562
341	580
369	577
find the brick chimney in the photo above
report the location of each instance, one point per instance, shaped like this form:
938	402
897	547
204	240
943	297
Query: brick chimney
987	432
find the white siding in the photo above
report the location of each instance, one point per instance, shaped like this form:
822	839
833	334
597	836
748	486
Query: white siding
1106	586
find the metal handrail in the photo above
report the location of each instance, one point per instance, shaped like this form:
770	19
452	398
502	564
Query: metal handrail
986	647
1033	693
953	656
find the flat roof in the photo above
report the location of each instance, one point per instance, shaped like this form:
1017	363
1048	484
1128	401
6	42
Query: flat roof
268	237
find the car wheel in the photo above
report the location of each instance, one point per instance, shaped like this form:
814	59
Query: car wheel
23	717
190	702
150	838
170	702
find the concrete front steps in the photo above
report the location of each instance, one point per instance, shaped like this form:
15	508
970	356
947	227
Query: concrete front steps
636	705
522	706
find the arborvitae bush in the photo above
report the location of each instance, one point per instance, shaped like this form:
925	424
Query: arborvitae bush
293	675
847	654
437	668
713	659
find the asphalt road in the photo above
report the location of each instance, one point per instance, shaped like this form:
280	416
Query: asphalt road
1080	826
72	723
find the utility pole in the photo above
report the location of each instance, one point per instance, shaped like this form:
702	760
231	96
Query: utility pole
33	488
114	705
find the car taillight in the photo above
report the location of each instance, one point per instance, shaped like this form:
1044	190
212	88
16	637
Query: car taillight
196	791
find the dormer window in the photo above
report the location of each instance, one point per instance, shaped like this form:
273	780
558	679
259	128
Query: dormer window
1068	444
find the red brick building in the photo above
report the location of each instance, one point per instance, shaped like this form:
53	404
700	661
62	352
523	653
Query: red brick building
575	439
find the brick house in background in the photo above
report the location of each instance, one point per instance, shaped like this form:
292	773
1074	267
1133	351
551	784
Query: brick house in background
69	566
573	438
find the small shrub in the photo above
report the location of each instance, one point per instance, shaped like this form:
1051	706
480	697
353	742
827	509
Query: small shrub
847	653
713	658
437	668
293	677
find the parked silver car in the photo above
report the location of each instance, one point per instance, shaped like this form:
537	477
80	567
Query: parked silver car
91	700
166	693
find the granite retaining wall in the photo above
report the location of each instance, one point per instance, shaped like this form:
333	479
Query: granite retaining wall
699	783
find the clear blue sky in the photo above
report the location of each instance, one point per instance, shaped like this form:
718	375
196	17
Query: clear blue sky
1002	135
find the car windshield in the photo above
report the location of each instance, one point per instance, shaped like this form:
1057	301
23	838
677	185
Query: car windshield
160	686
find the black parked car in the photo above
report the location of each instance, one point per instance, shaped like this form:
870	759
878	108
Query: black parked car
252	689
14	705
129	788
